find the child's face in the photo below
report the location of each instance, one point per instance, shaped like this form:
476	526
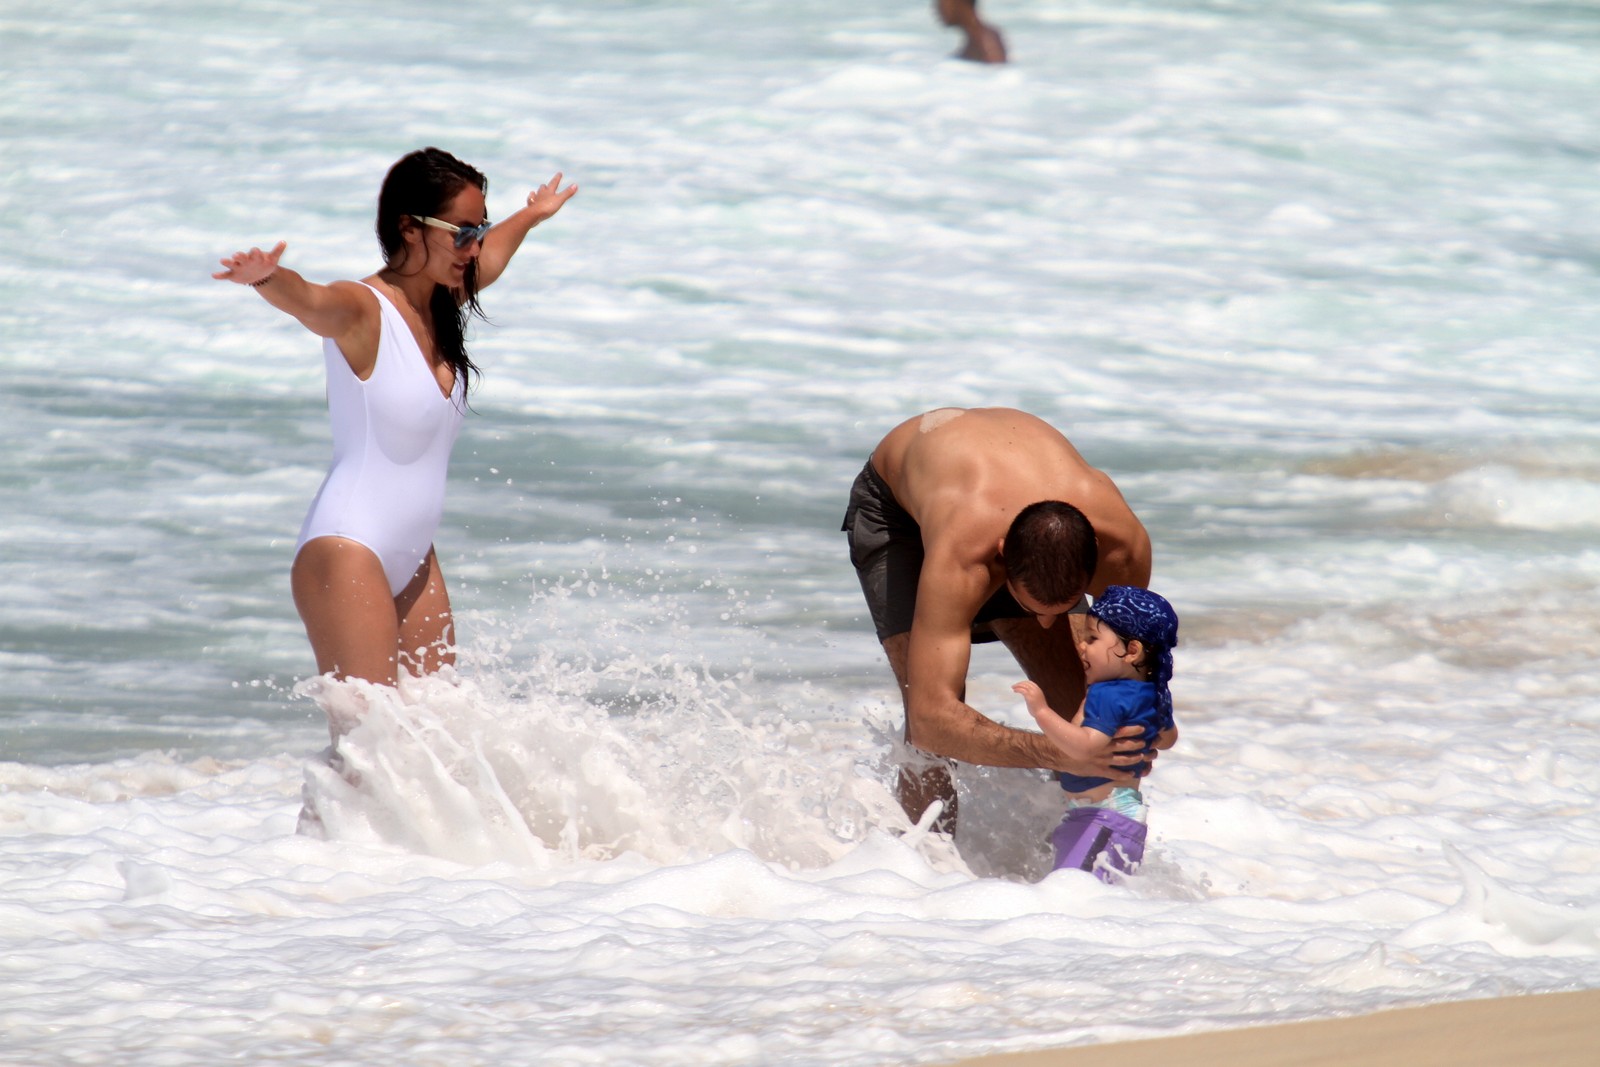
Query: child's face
1105	655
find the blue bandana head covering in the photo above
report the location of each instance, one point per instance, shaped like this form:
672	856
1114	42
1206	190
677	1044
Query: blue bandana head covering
1140	615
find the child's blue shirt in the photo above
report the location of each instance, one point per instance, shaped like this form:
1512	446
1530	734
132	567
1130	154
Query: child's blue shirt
1109	707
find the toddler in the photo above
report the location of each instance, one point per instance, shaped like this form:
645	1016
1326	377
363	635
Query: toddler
1127	663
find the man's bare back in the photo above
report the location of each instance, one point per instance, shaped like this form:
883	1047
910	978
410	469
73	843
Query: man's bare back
964	473
961	477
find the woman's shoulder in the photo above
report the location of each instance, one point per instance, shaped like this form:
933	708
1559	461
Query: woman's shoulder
367	296
364	289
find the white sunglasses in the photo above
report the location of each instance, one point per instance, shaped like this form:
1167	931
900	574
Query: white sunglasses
465	235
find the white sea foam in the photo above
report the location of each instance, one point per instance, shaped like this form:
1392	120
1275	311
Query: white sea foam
514	852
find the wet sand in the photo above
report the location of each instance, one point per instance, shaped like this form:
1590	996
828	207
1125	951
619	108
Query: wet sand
1551	1030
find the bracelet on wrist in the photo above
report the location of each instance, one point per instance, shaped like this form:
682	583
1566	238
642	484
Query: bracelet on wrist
263	281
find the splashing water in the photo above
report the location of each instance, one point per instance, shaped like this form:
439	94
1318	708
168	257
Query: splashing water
530	767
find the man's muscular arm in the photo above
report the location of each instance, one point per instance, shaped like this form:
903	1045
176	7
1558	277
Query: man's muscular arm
939	722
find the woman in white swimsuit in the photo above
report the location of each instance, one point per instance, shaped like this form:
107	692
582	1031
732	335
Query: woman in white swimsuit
365	578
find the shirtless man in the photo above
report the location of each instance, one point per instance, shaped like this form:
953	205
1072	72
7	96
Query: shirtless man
982	524
984	43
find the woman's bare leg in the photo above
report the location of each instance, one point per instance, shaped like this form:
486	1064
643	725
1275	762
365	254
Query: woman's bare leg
344	601
427	628
349	614
357	629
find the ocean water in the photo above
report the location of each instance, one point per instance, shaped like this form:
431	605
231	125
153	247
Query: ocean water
1317	283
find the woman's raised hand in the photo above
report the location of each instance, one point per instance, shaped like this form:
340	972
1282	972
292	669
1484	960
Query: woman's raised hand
548	198
248	268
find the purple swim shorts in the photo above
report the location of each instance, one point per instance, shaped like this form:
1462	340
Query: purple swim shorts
1088	833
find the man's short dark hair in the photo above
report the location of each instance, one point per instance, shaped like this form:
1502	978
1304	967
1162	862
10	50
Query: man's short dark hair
1051	552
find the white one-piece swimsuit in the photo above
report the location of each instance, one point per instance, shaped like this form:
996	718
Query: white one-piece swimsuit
392	436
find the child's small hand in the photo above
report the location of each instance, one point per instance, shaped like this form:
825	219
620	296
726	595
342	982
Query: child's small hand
1030	692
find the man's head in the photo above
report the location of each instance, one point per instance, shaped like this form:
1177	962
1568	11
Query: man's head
1050	553
957	12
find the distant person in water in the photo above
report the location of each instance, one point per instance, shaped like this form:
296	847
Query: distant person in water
1126	651
984	43
969	525
366	579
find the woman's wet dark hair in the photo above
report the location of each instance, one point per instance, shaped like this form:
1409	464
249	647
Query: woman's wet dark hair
421	184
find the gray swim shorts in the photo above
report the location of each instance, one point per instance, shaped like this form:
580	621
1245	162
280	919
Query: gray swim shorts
886	550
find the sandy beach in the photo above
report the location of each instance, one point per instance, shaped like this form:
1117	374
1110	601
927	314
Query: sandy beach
1553	1030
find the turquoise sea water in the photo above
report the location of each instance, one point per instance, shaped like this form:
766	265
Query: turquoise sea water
1317	284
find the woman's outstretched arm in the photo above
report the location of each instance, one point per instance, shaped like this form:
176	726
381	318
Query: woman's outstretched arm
326	310
505	238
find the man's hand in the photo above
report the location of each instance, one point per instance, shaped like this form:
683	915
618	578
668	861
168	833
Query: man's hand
1113	757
